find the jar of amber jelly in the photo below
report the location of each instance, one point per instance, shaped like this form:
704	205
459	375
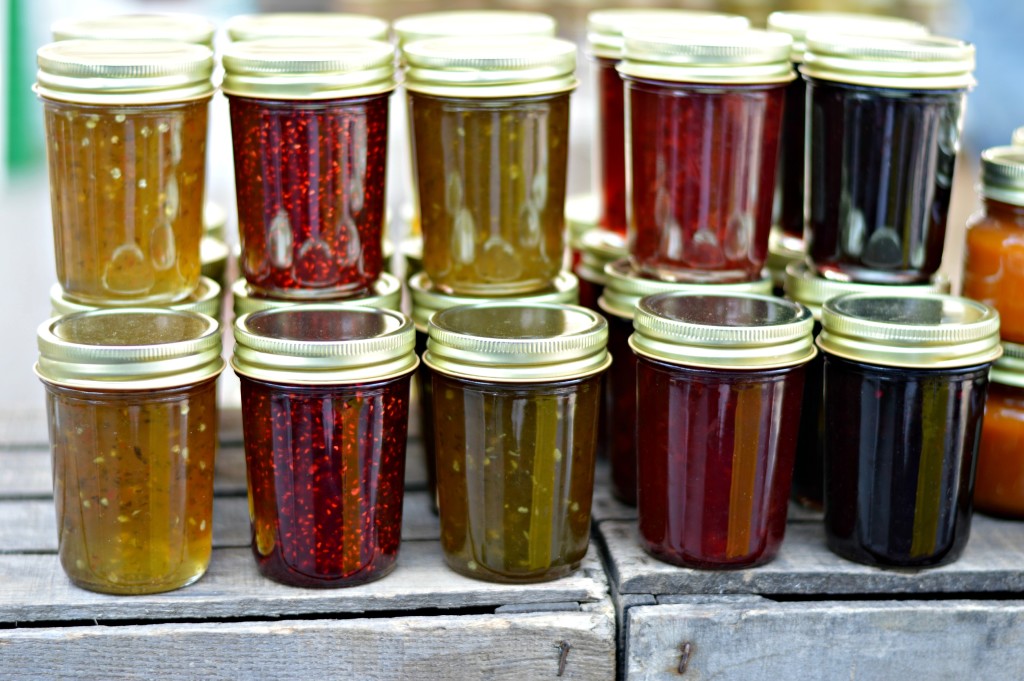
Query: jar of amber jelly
719	387
325	411
490	139
309	122
905	384
126	139
131	401
516	396
884	120
999	485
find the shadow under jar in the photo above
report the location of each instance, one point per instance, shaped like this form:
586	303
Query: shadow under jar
719	387
132	411
884	119
126	149
999	485
905	384
309	125
516	398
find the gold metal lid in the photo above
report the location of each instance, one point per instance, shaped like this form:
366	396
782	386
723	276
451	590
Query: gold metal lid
810	289
605	27
799	24
490	66
215	220
922	63
1009	369
582	213
124	72
129	349
737	57
517	342
473	23
308	68
780	256
427	300
213	257
923	331
723	330
204	300
386	294
306	25
624	288
1002	174
598	247
1018	137
182	28
318	343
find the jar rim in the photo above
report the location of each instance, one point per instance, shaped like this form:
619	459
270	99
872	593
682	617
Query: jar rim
185	28
246	27
481	22
386	294
605	27
800	23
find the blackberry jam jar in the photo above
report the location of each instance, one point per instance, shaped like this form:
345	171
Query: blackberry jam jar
516	396
325	410
999	485
905	384
884	120
309	122
719	387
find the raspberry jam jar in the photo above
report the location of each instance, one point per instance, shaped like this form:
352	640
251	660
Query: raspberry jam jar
719	387
131	400
516	396
309	121
247	27
325	409
605	28
905	384
999	485
126	149
623	291
705	115
884	120
386	294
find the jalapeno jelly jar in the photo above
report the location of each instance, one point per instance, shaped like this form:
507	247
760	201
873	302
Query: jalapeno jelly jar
704	112
385	294
490	123
131	401
516	396
623	291
126	137
605	28
884	121
205	299
905	383
999	485
325	410
719	387
309	122
597	247
335	25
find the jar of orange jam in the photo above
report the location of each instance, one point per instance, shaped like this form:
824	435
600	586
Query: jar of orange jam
999	485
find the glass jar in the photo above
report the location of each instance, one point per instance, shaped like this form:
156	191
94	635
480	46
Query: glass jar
182	28
597	247
490	140
623	291
516	396
885	117
905	383
779	258
335	25
126	139
205	300
385	294
789	189
719	387
994	252
325	410
131	401
999	485
309	121
605	28
705	115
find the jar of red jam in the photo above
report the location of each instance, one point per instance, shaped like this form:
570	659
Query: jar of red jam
623	291
325	410
605	28
386	294
905	384
516	396
309	121
247	27
597	248
705	115
999	485
131	401
884	121
205	299
719	389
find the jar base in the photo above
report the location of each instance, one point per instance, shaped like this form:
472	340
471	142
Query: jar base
485	575
856	554
862	275
136	589
495	290
684	275
162	300
301	581
305	295
697	564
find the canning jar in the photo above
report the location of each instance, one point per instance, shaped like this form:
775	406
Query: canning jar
126	146
884	121
597	248
490	140
905	383
205	299
386	293
309	122
719	387
336	25
705	115
131	401
516	397
999	485
325	410
623	291
605	28
994	253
